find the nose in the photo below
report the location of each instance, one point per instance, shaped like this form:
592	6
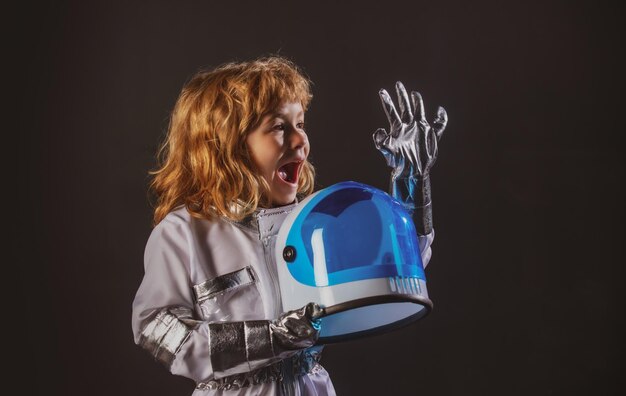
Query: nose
298	139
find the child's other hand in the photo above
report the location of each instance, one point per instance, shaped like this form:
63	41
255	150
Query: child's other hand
410	147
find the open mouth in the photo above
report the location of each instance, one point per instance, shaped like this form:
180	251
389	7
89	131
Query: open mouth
289	172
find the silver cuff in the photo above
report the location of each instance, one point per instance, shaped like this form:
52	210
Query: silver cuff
227	344
164	335
235	346
259	344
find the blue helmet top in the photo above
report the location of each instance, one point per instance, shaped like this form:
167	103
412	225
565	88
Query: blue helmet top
349	232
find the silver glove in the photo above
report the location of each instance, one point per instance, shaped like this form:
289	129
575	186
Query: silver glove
410	148
237	347
299	328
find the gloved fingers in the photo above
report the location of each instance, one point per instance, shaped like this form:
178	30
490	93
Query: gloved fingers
434	151
418	105
381	141
380	136
390	110
406	115
295	339
423	142
441	120
314	311
430	144
297	328
439	125
300	328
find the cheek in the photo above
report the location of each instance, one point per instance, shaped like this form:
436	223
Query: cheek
265	159
272	150
265	152
307	149
257	151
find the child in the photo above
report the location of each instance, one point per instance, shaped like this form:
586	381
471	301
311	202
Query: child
235	161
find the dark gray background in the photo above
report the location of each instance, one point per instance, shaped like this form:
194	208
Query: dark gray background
527	270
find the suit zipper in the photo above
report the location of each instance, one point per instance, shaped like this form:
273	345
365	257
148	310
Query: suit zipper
268	247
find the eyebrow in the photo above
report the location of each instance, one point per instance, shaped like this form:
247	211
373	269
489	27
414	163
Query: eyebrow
284	115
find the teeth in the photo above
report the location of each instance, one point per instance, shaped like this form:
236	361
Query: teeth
282	174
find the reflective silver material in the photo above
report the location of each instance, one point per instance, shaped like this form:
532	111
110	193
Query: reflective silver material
222	283
414	193
298	328
257	332
163	336
410	148
227	344
234	345
304	362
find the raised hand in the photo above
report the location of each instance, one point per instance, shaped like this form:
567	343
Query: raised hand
410	149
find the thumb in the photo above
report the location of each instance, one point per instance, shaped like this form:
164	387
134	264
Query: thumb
314	311
380	136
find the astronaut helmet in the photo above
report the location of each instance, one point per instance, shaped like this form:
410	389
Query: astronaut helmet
352	249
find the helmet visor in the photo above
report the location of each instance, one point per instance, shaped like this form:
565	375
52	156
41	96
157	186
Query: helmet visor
353	234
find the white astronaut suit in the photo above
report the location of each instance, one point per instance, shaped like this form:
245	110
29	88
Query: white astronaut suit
200	272
209	300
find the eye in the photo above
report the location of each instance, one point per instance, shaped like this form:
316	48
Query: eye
301	125
279	127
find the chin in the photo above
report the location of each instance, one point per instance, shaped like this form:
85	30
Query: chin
283	200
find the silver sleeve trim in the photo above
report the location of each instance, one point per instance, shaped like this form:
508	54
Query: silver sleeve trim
164	335
222	283
258	340
235	345
227	344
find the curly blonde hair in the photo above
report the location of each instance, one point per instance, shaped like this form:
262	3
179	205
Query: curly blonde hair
204	162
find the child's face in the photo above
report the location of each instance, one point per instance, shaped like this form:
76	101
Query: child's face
278	147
